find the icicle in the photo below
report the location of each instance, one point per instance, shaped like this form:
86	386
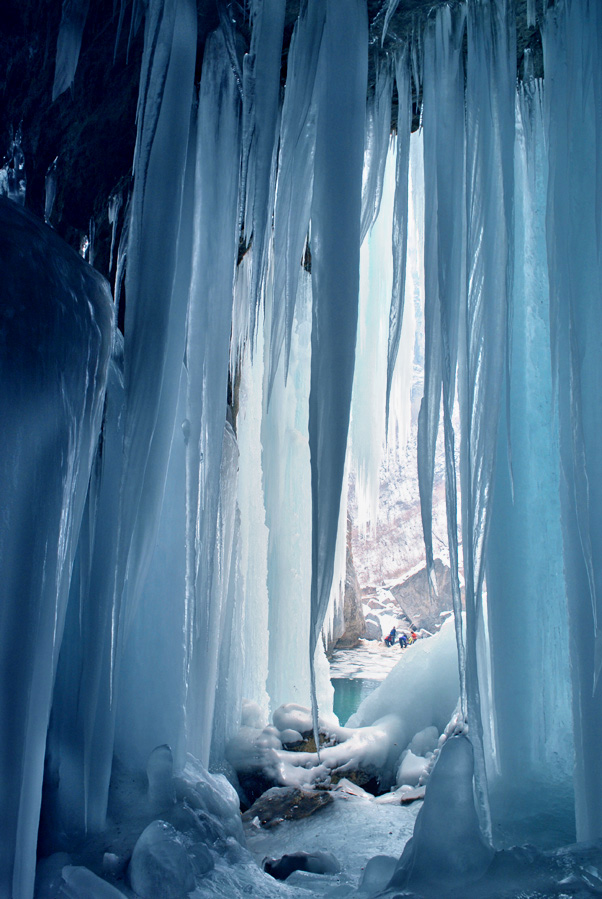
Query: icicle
122	256
91	239
490	93
207	354
335	224
391	9
115	202
140	420
54	351
295	177
573	115
370	376
378	132
525	578
261	92
73	20
443	121
400	216
50	186
531	15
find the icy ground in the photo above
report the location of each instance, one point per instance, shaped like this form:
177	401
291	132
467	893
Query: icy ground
354	828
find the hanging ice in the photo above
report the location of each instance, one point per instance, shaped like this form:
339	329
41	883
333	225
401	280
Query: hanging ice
73	20
295	178
335	241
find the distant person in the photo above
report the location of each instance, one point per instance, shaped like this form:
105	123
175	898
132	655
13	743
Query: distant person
414	636
403	641
391	637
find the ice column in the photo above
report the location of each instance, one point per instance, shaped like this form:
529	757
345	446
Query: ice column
335	245
443	120
55	339
207	357
490	97
573	119
525	580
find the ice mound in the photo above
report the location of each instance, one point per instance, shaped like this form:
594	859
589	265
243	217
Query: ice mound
160	865
447	849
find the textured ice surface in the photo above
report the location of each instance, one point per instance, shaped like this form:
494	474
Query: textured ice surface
55	338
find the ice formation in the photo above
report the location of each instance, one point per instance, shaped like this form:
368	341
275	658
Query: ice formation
172	539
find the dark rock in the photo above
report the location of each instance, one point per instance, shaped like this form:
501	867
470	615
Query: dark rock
313	862
286	804
252	786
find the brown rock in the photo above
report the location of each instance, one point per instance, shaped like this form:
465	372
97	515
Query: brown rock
286	804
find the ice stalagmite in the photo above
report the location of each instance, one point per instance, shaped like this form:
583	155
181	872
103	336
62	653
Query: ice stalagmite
490	97
261	93
55	340
573	119
525	579
335	246
207	356
295	177
400	215
443	120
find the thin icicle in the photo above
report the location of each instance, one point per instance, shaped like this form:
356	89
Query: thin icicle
391	10
115	202
50	190
295	178
336	209
400	216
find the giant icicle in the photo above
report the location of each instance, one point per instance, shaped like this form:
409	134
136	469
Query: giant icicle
207	355
490	93
525	578
55	343
335	244
443	120
573	117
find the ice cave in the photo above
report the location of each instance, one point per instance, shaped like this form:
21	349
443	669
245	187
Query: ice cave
225	225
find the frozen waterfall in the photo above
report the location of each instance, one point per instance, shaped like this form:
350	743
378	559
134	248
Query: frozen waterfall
174	498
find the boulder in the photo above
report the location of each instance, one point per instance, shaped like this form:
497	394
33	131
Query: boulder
421	607
374	629
286	804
